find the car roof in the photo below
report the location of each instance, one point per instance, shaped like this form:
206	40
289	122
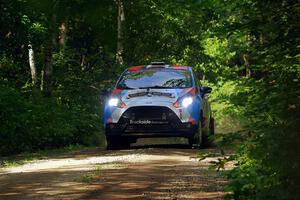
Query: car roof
158	65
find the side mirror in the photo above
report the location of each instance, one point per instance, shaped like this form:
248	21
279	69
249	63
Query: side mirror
206	90
106	92
199	75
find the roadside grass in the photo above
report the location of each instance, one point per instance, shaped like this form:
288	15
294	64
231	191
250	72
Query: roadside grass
91	176
23	158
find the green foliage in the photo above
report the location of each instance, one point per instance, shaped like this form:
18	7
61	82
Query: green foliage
266	104
229	117
247	50
91	176
41	123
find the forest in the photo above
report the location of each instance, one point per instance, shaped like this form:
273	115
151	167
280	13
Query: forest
58	57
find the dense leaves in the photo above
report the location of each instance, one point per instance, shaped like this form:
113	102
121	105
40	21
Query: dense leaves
247	50
265	41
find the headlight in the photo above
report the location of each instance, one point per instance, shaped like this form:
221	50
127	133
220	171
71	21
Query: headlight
186	101
183	102
116	102
113	102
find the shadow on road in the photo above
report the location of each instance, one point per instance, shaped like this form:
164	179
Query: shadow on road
163	146
150	169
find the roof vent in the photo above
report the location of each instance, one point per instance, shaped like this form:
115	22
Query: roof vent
158	63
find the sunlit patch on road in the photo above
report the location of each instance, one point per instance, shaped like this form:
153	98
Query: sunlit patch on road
142	172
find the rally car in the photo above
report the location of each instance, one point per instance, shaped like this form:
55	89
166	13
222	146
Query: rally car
157	100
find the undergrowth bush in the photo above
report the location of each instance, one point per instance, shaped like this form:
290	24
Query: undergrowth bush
267	146
35	122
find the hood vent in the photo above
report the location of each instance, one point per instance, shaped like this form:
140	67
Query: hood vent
149	94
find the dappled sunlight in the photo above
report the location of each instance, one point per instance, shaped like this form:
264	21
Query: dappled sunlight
100	157
40	185
153	173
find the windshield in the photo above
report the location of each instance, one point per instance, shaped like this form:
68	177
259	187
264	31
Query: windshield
155	78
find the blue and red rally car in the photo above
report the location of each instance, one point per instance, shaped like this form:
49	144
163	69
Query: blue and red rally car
157	100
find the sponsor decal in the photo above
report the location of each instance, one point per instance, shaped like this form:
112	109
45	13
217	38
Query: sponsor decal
147	122
150	94
117	91
179	67
135	68
192	120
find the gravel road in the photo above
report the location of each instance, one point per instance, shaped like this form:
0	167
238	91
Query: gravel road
147	170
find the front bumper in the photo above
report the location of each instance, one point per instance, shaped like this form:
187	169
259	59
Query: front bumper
151	121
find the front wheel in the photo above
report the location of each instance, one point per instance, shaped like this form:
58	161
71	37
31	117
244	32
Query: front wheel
112	143
197	138
212	126
207	140
117	142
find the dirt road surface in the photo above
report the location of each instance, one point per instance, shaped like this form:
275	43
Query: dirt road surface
156	171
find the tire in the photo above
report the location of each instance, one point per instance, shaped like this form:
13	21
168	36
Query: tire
207	142
112	143
197	138
212	126
124	143
117	143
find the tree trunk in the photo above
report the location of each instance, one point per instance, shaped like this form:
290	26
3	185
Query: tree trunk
32	65
47	72
46	84
120	39
82	63
63	29
247	65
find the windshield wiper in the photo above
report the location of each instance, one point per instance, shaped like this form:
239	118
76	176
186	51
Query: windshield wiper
125	88
156	86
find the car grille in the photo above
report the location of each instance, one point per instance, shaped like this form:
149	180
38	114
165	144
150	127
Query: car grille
160	119
149	113
149	128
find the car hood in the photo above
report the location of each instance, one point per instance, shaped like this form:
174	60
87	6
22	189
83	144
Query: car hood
142	97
